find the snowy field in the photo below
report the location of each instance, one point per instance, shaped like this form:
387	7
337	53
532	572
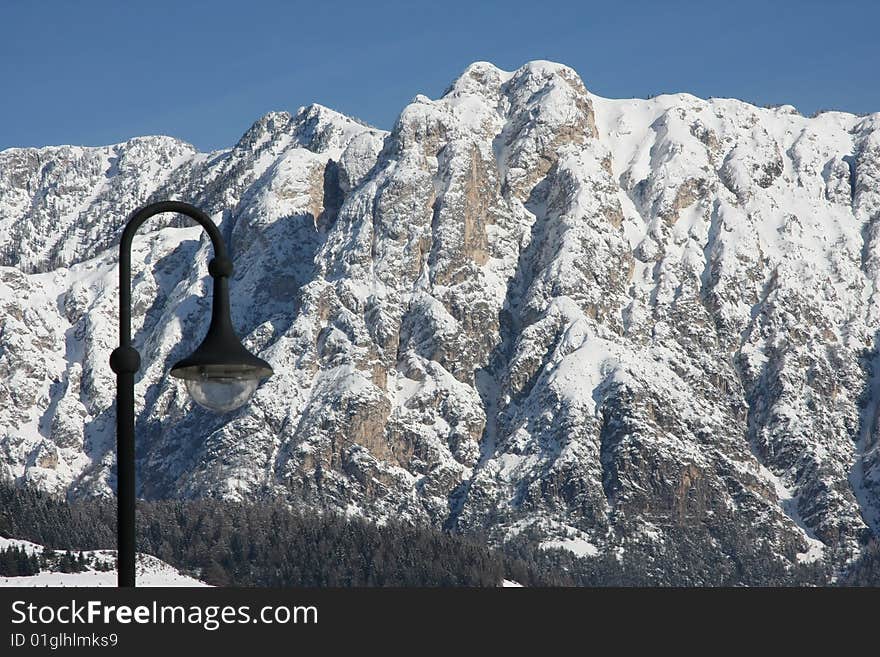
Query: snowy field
150	570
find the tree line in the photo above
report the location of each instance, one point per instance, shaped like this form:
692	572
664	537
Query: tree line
268	544
272	544
18	562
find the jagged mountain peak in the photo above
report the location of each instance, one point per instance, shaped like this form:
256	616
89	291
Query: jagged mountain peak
538	82
321	129
483	75
315	127
269	124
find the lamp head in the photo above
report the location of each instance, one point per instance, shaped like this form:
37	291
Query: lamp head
221	375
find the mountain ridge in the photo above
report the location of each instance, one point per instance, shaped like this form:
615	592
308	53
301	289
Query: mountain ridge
525	308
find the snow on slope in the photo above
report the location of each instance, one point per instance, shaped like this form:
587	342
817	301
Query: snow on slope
150	571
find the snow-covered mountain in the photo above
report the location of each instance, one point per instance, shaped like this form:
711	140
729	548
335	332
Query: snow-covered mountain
527	308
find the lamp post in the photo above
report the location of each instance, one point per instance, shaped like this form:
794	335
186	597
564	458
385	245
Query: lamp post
220	374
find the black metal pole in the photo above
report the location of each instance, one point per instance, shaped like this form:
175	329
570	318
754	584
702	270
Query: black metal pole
125	362
125	524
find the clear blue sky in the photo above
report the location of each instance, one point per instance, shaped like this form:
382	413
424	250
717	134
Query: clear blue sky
98	72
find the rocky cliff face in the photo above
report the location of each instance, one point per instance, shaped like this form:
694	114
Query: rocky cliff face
525	309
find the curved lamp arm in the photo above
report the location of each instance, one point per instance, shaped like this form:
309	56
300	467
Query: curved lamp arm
221	260
125	362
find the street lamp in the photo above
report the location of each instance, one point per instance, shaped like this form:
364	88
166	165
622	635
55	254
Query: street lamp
220	374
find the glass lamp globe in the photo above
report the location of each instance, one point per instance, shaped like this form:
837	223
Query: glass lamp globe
221	394
221	375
